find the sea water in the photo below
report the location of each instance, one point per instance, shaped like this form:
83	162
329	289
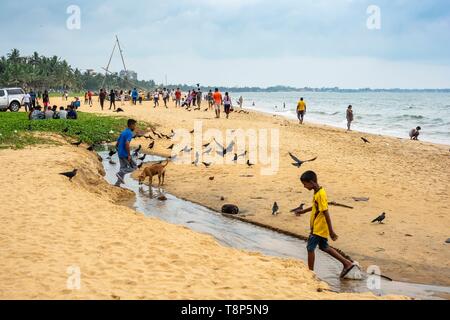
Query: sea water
386	113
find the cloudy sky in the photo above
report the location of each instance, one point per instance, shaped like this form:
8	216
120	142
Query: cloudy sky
244	42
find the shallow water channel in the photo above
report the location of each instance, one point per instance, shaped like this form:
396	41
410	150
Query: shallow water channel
246	236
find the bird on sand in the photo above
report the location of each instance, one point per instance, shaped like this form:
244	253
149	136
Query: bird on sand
207	165
136	152
365	140
249	164
171	147
112	153
298	163
151	145
77	143
119	110
143	157
275	208
70	174
380	219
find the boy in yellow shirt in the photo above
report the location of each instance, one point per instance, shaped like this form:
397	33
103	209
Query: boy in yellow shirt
320	222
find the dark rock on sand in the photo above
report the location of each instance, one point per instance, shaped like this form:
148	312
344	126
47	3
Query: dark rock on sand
230	209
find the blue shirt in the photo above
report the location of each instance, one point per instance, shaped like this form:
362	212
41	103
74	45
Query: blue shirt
134	94
124	137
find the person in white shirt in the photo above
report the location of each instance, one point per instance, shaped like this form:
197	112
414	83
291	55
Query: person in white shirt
62	113
26	100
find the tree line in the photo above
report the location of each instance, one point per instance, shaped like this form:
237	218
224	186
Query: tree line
55	74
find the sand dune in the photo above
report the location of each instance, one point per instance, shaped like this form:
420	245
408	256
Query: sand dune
407	180
49	224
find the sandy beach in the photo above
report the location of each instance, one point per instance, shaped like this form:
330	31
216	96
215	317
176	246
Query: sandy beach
408	180
50	224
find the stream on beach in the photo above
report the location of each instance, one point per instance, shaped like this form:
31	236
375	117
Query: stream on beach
246	236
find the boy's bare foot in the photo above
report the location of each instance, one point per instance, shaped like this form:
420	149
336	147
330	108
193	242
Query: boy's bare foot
347	269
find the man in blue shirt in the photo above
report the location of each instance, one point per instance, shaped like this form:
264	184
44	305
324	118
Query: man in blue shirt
134	96
127	165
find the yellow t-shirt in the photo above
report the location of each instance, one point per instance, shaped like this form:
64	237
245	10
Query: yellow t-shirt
301	106
319	226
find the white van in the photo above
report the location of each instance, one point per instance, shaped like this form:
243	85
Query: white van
11	98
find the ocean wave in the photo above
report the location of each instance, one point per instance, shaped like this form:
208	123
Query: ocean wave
409	117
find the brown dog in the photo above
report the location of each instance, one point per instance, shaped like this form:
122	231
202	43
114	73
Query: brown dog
156	169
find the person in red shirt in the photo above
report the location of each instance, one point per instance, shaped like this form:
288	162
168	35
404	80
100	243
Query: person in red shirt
178	98
218	100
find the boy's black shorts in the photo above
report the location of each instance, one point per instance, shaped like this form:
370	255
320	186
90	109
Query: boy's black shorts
314	241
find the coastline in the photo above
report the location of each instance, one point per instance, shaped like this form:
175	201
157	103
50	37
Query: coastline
389	171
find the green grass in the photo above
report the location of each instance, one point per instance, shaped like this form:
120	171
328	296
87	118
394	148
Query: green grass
71	94
17	132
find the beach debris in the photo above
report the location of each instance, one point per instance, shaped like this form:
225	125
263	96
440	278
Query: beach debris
112	153
186	149
275	208
140	165
230	209
171	147
236	156
112	162
211	178
361	199
207	165
365	140
408	235
191	132
65	130
91	147
246	176
206	145
300	208
111	132
143	157
222	198
70	174
448	240
380	219
136	152
115	297
336	204
190	222
249	164
119	110
162	198
77	143
298	163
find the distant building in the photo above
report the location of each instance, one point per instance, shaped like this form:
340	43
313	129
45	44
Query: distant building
90	72
129	74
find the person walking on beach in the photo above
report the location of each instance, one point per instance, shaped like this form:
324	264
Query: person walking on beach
112	100
102	97
127	165
134	96
199	98
349	117
415	133
178	98
210	100
227	104
320	223
241	102
156	99
218	101
26	101
301	110
90	94
46	99
33	98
